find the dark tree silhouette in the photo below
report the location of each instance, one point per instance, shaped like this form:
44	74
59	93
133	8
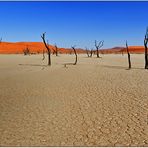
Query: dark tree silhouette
91	52
26	51
98	46
0	40
73	47
53	51
145	45
76	58
47	47
56	50
87	52
129	60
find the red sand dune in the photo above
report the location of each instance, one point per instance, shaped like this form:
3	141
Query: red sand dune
34	47
132	49
38	47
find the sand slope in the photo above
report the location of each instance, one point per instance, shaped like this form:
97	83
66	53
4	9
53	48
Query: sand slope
38	47
34	47
132	49
95	103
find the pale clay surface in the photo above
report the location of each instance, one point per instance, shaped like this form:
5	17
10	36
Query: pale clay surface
95	103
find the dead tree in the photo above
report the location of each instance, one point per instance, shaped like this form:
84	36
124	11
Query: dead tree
47	47
73	47
91	52
129	59
145	45
98	46
56	50
76	59
26	51
0	40
87	52
53	51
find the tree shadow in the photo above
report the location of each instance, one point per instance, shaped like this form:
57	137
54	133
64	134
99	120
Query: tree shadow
66	64
33	65
120	67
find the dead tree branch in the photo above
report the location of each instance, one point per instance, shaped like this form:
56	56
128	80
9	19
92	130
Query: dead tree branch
76	58
87	52
98	46
26	51
48	49
73	47
129	60
91	52
145	45
56	50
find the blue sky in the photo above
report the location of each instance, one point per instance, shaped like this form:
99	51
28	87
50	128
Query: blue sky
75	23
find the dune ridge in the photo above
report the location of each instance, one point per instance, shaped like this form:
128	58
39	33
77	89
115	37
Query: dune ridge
34	47
38	47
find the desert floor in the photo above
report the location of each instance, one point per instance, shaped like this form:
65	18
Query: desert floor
97	102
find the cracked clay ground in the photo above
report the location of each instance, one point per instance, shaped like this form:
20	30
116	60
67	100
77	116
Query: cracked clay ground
95	103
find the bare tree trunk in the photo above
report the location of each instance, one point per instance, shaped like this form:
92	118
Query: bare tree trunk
87	52
94	52
49	59
91	52
129	60
56	50
146	57
145	45
98	46
53	52
98	53
0	40
26	51
48	50
75	55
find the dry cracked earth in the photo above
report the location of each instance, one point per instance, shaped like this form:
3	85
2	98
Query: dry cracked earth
95	103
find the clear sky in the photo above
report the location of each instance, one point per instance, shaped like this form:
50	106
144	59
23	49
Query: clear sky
75	23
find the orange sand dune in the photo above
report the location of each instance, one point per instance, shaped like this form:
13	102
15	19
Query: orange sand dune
18	47
34	47
137	49
38	47
132	49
